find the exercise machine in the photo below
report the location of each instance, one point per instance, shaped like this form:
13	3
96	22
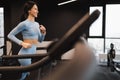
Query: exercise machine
64	44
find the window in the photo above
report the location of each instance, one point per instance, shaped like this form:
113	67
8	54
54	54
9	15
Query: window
112	21
1	29
112	26
96	44
96	27
96	31
104	34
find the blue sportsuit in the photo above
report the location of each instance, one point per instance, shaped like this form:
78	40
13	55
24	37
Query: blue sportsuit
30	30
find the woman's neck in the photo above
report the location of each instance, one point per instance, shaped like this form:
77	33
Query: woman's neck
31	18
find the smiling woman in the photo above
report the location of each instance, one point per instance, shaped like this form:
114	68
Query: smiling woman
31	31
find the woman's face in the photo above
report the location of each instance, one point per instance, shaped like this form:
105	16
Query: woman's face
34	11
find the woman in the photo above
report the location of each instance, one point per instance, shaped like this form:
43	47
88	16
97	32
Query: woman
32	32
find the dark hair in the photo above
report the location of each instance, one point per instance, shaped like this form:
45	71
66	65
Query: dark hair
27	6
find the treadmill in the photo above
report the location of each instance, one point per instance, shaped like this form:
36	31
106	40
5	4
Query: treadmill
64	44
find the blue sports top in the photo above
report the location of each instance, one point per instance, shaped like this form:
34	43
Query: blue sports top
29	29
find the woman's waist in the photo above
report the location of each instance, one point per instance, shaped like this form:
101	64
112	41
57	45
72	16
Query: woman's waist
31	41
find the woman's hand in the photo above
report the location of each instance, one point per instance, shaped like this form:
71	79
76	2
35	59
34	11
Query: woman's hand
43	29
26	45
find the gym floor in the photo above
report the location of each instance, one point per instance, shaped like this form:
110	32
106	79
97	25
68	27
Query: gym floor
102	72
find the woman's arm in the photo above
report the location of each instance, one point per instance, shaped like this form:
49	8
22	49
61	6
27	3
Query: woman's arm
42	33
15	31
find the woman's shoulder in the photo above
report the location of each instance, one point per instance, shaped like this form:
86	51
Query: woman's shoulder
23	22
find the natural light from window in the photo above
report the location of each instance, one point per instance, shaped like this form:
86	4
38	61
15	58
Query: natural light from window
96	27
1	29
113	20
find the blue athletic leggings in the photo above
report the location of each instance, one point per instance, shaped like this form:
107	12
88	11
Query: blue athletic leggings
25	62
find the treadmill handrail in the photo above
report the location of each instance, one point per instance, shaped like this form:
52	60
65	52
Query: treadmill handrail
30	67
73	34
24	56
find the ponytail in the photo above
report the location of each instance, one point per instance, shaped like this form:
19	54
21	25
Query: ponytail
27	6
24	16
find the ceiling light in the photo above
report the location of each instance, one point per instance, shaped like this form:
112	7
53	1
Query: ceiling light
66	2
